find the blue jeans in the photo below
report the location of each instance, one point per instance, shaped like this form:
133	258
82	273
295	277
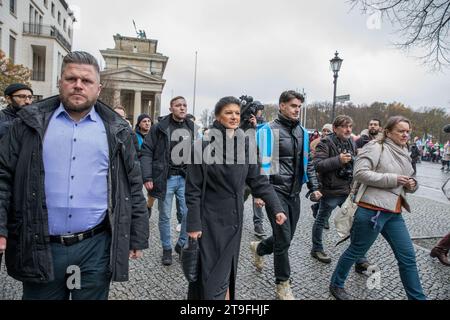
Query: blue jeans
175	186
366	228
326	205
91	256
258	214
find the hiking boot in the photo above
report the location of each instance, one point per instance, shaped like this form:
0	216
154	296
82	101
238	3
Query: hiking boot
321	256
167	257
361	268
441	254
339	293
258	260
284	291
259	231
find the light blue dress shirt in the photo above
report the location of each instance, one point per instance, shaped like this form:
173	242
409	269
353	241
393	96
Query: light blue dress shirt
76	162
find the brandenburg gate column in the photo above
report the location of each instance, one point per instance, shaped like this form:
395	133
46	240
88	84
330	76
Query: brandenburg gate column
137	105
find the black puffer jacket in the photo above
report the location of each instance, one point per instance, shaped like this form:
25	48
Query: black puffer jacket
291	149
7	116
327	163
155	155
23	210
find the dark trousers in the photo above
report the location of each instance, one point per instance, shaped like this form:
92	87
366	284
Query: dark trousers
91	256
280	241
444	243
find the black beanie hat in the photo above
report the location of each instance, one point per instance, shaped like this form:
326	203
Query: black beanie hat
12	88
142	117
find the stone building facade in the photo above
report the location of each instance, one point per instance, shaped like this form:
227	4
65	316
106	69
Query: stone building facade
133	76
37	34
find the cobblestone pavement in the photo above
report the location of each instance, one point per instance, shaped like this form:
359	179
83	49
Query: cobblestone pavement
430	219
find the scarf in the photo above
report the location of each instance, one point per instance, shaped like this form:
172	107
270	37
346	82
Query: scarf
401	156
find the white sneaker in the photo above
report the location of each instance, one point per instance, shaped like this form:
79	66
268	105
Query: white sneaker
178	228
258	260
284	291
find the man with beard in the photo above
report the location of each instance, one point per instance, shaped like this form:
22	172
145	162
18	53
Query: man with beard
334	159
71	198
369	134
17	95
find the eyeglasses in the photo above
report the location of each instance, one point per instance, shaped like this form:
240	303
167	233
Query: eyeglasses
23	96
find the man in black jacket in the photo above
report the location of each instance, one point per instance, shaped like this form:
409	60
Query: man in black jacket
372	131
17	95
295	168
333	160
164	171
71	201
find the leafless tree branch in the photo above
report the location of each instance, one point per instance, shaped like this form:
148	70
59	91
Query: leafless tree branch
423	24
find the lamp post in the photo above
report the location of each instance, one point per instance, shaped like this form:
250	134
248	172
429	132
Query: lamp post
195	84
335	64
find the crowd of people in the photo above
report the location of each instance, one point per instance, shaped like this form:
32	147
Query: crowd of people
73	174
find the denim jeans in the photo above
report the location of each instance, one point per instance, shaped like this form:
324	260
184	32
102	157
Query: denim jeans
91	256
280	241
258	214
175	186
366	228
326	205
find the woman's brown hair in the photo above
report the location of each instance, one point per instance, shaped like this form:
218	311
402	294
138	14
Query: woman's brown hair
391	123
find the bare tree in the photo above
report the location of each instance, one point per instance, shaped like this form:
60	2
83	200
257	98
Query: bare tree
422	24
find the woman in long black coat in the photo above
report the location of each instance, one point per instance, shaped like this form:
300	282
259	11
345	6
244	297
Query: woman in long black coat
215	201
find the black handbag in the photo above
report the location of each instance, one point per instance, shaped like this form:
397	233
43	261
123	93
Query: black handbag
190	259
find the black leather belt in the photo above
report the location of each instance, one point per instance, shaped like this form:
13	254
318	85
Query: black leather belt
176	172
72	239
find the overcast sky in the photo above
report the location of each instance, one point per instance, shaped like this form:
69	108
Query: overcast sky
262	48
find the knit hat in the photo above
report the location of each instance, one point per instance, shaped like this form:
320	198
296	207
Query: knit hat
328	126
142	117
12	88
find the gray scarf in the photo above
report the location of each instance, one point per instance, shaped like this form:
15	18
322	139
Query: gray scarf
401	155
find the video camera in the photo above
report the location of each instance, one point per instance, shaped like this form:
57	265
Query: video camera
249	108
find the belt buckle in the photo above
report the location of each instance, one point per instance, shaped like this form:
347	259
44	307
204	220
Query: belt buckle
72	239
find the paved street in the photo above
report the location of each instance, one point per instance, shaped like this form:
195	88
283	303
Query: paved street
430	219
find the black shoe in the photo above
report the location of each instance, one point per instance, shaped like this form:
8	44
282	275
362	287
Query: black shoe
321	256
167	257
339	293
259	231
178	249
361	268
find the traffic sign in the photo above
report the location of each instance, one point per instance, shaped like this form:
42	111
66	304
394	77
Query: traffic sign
343	98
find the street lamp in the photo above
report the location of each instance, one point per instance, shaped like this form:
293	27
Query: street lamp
335	64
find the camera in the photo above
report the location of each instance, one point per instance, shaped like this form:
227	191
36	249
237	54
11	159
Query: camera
346	172
249	108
